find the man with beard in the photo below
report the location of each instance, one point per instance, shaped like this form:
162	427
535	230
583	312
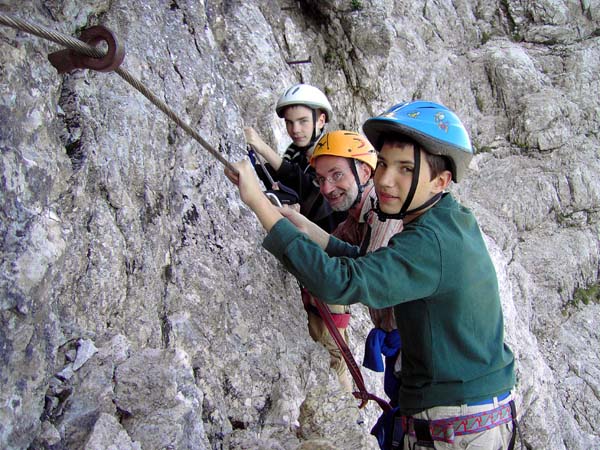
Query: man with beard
344	162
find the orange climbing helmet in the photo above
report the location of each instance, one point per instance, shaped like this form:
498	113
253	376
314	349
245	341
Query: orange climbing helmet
346	144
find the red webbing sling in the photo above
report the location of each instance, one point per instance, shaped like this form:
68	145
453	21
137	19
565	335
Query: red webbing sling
362	393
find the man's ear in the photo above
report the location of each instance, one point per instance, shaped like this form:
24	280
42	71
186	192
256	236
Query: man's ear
364	172
442	181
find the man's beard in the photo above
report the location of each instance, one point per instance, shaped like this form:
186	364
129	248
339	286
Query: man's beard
348	200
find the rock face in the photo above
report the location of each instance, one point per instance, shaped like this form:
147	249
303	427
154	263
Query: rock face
137	308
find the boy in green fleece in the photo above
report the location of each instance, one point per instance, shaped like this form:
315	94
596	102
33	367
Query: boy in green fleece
457	372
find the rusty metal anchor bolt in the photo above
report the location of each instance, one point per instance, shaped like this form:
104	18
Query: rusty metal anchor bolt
68	60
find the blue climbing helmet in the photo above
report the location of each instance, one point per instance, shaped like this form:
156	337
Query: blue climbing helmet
435	129
433	126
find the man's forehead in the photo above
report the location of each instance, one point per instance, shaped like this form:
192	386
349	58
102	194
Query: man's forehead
329	163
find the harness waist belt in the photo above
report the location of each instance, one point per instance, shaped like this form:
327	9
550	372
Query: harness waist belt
446	430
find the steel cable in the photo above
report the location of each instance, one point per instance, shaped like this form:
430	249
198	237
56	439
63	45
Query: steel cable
82	47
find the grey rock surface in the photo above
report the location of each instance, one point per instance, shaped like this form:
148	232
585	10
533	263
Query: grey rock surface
137	307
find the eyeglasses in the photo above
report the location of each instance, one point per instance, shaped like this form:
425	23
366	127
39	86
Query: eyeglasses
333	179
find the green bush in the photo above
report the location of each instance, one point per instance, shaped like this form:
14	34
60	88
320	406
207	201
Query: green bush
587	296
356	5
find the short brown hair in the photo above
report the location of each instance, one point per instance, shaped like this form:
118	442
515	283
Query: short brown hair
437	164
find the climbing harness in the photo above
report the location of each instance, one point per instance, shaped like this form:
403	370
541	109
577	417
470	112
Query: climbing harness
81	54
363	394
427	432
446	430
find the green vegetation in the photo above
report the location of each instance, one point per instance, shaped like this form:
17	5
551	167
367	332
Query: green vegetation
581	297
517	37
522	146
479	102
332	57
587	296
485	37
356	5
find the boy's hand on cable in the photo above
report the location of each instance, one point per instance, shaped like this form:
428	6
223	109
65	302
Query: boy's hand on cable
253	139
262	148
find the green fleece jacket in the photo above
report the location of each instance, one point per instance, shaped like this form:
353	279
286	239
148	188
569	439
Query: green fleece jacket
440	279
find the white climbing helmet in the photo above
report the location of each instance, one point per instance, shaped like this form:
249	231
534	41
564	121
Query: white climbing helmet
306	95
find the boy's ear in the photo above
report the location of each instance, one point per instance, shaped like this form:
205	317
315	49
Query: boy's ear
442	181
321	120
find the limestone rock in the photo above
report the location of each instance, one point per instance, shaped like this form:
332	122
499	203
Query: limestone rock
137	307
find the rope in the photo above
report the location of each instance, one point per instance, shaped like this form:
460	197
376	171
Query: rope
82	47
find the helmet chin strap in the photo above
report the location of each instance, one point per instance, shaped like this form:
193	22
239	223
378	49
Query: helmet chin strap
411	194
307	146
361	187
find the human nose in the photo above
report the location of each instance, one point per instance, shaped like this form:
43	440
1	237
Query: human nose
327	186
383	177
